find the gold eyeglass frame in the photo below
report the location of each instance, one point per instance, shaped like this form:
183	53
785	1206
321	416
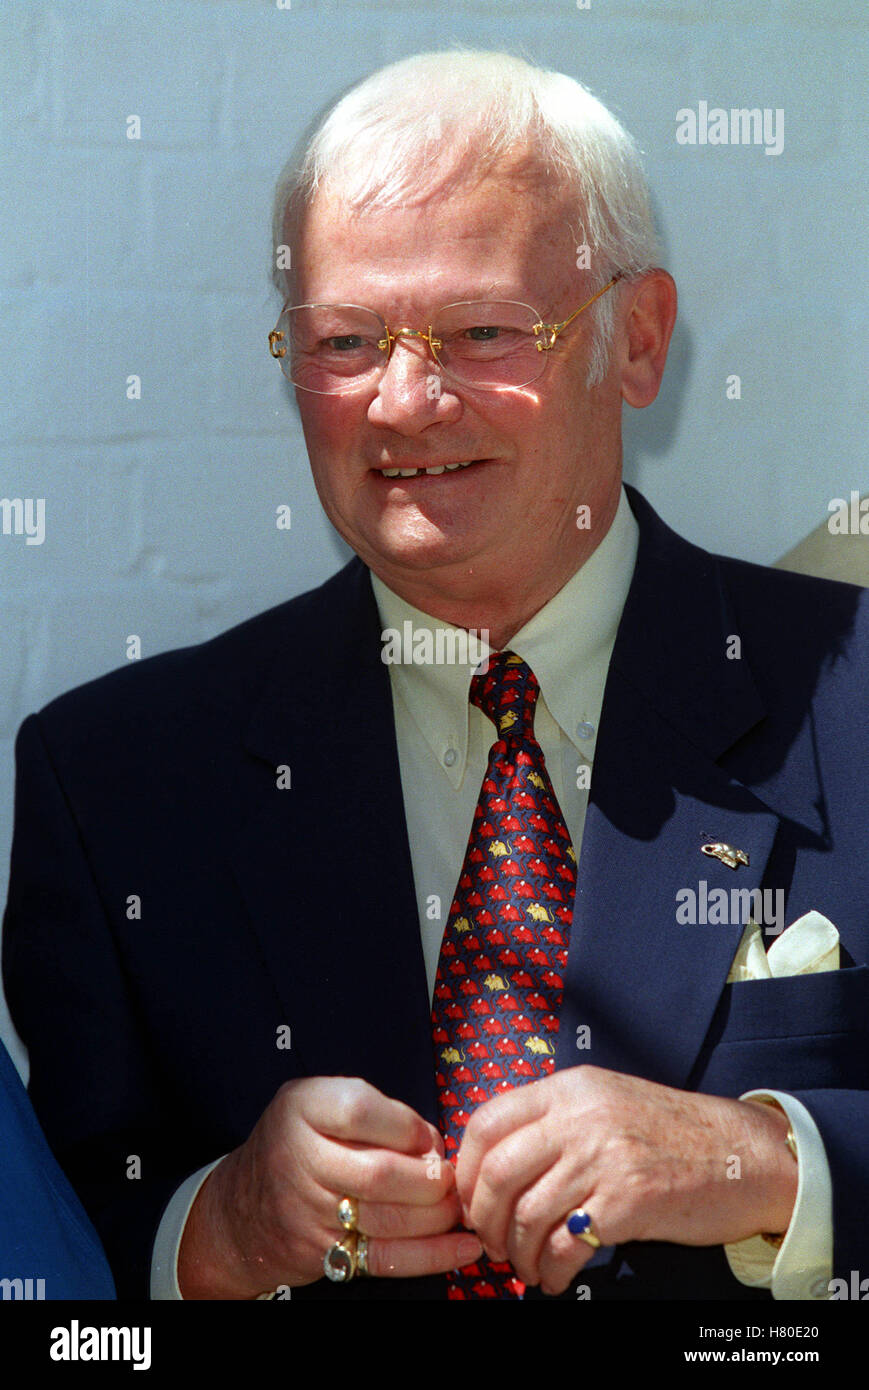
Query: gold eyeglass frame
545	333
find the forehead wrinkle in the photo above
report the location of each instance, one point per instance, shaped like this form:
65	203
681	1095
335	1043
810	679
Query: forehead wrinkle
399	288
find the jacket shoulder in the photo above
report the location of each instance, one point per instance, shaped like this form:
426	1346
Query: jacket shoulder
211	680
776	591
781	612
801	631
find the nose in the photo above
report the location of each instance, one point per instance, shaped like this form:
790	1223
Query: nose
412	392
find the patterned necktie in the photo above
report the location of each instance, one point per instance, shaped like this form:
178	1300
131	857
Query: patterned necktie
499	986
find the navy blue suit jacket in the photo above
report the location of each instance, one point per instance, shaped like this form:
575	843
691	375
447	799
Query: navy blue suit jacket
263	907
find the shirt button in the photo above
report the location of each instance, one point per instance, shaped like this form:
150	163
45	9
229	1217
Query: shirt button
451	757
820	1289
584	729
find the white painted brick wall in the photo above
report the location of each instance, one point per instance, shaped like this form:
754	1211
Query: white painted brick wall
152	257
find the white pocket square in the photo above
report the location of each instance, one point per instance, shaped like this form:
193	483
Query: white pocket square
808	946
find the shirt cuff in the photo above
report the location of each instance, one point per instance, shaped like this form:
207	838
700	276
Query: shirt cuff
802	1268
167	1242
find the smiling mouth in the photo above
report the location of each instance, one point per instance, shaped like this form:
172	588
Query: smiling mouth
434	471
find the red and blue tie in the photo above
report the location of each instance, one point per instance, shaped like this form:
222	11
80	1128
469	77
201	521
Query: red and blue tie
499	982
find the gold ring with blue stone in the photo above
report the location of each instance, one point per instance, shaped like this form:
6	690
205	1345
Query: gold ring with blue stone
578	1222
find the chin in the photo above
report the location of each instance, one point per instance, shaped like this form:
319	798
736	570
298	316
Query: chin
418	553
412	543
416	557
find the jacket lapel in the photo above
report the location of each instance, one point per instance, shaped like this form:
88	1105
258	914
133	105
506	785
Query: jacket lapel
325	865
644	984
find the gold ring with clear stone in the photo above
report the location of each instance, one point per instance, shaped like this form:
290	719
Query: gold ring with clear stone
340	1260
348	1213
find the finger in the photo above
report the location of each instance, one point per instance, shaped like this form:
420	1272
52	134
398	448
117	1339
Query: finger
539	1214
396	1221
508	1207
351	1109
383	1175
563	1254
437	1141
494	1121
410	1259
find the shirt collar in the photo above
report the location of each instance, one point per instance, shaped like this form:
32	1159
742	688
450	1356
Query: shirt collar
567	644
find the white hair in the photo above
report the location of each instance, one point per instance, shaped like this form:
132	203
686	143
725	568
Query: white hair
424	125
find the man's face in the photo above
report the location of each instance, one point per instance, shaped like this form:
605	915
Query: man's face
537	452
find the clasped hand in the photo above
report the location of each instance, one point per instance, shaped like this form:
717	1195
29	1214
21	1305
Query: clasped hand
646	1161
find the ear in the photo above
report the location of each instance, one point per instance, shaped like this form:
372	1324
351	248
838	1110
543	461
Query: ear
650	313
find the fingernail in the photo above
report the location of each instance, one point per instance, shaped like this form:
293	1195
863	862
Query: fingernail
469	1250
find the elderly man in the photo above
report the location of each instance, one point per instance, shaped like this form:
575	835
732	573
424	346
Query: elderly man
412	1004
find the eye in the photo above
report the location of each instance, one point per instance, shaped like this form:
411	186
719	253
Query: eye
483	333
348	342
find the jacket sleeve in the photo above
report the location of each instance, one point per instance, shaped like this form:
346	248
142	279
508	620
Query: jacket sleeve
842	1118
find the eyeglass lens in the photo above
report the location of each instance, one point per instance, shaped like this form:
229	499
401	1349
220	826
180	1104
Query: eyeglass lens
337	347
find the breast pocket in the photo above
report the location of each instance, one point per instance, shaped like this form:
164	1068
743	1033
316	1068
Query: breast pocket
796	1033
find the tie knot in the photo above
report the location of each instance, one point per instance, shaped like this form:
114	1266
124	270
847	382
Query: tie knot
506	690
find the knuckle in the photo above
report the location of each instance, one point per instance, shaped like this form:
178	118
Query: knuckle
287	1097
495	1169
529	1214
377	1174
385	1221
401	1222
440	1186
483	1124
436	1170
352	1105
562	1248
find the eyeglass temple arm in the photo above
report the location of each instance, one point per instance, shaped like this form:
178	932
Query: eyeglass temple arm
552	330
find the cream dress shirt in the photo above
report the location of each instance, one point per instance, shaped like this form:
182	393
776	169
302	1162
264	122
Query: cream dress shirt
443	746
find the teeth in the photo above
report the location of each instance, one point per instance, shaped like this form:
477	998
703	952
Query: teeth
432	472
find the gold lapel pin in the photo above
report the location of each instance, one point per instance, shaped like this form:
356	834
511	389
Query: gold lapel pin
728	855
